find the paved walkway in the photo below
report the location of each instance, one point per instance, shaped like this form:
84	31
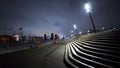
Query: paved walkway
18	48
50	56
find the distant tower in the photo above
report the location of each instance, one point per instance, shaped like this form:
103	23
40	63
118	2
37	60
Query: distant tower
45	37
56	36
52	36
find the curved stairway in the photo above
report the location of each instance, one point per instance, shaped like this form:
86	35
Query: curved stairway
100	51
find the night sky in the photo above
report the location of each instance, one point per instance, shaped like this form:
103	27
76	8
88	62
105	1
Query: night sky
57	16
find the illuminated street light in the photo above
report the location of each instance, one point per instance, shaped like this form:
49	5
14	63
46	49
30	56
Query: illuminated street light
80	32
88	31
114	28
72	35
88	9
75	29
74	26
71	31
103	28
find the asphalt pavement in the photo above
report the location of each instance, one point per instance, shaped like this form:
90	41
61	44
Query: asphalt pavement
14	48
48	56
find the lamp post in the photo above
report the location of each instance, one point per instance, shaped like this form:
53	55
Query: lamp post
71	32
80	32
88	31
103	28
88	9
75	28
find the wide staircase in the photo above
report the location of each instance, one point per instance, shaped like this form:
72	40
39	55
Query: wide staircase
99	50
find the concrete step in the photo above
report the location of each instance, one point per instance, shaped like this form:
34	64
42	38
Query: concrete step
116	45
83	57
67	60
101	57
104	55
76	61
102	46
99	50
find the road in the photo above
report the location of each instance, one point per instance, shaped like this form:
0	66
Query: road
49	56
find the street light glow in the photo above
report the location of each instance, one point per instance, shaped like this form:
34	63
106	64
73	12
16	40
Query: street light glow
71	31
80	32
88	31
103	28
114	28
88	7
72	35
74	26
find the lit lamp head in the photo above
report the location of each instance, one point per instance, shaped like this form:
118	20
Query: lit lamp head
80	32
88	7
88	31
71	31
103	28
74	26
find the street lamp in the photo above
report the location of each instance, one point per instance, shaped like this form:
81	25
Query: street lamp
88	31
71	31
80	32
114	28
103	28
88	9
74	26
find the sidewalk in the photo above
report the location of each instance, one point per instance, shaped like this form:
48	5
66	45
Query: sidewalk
13	48
21	47
48	56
